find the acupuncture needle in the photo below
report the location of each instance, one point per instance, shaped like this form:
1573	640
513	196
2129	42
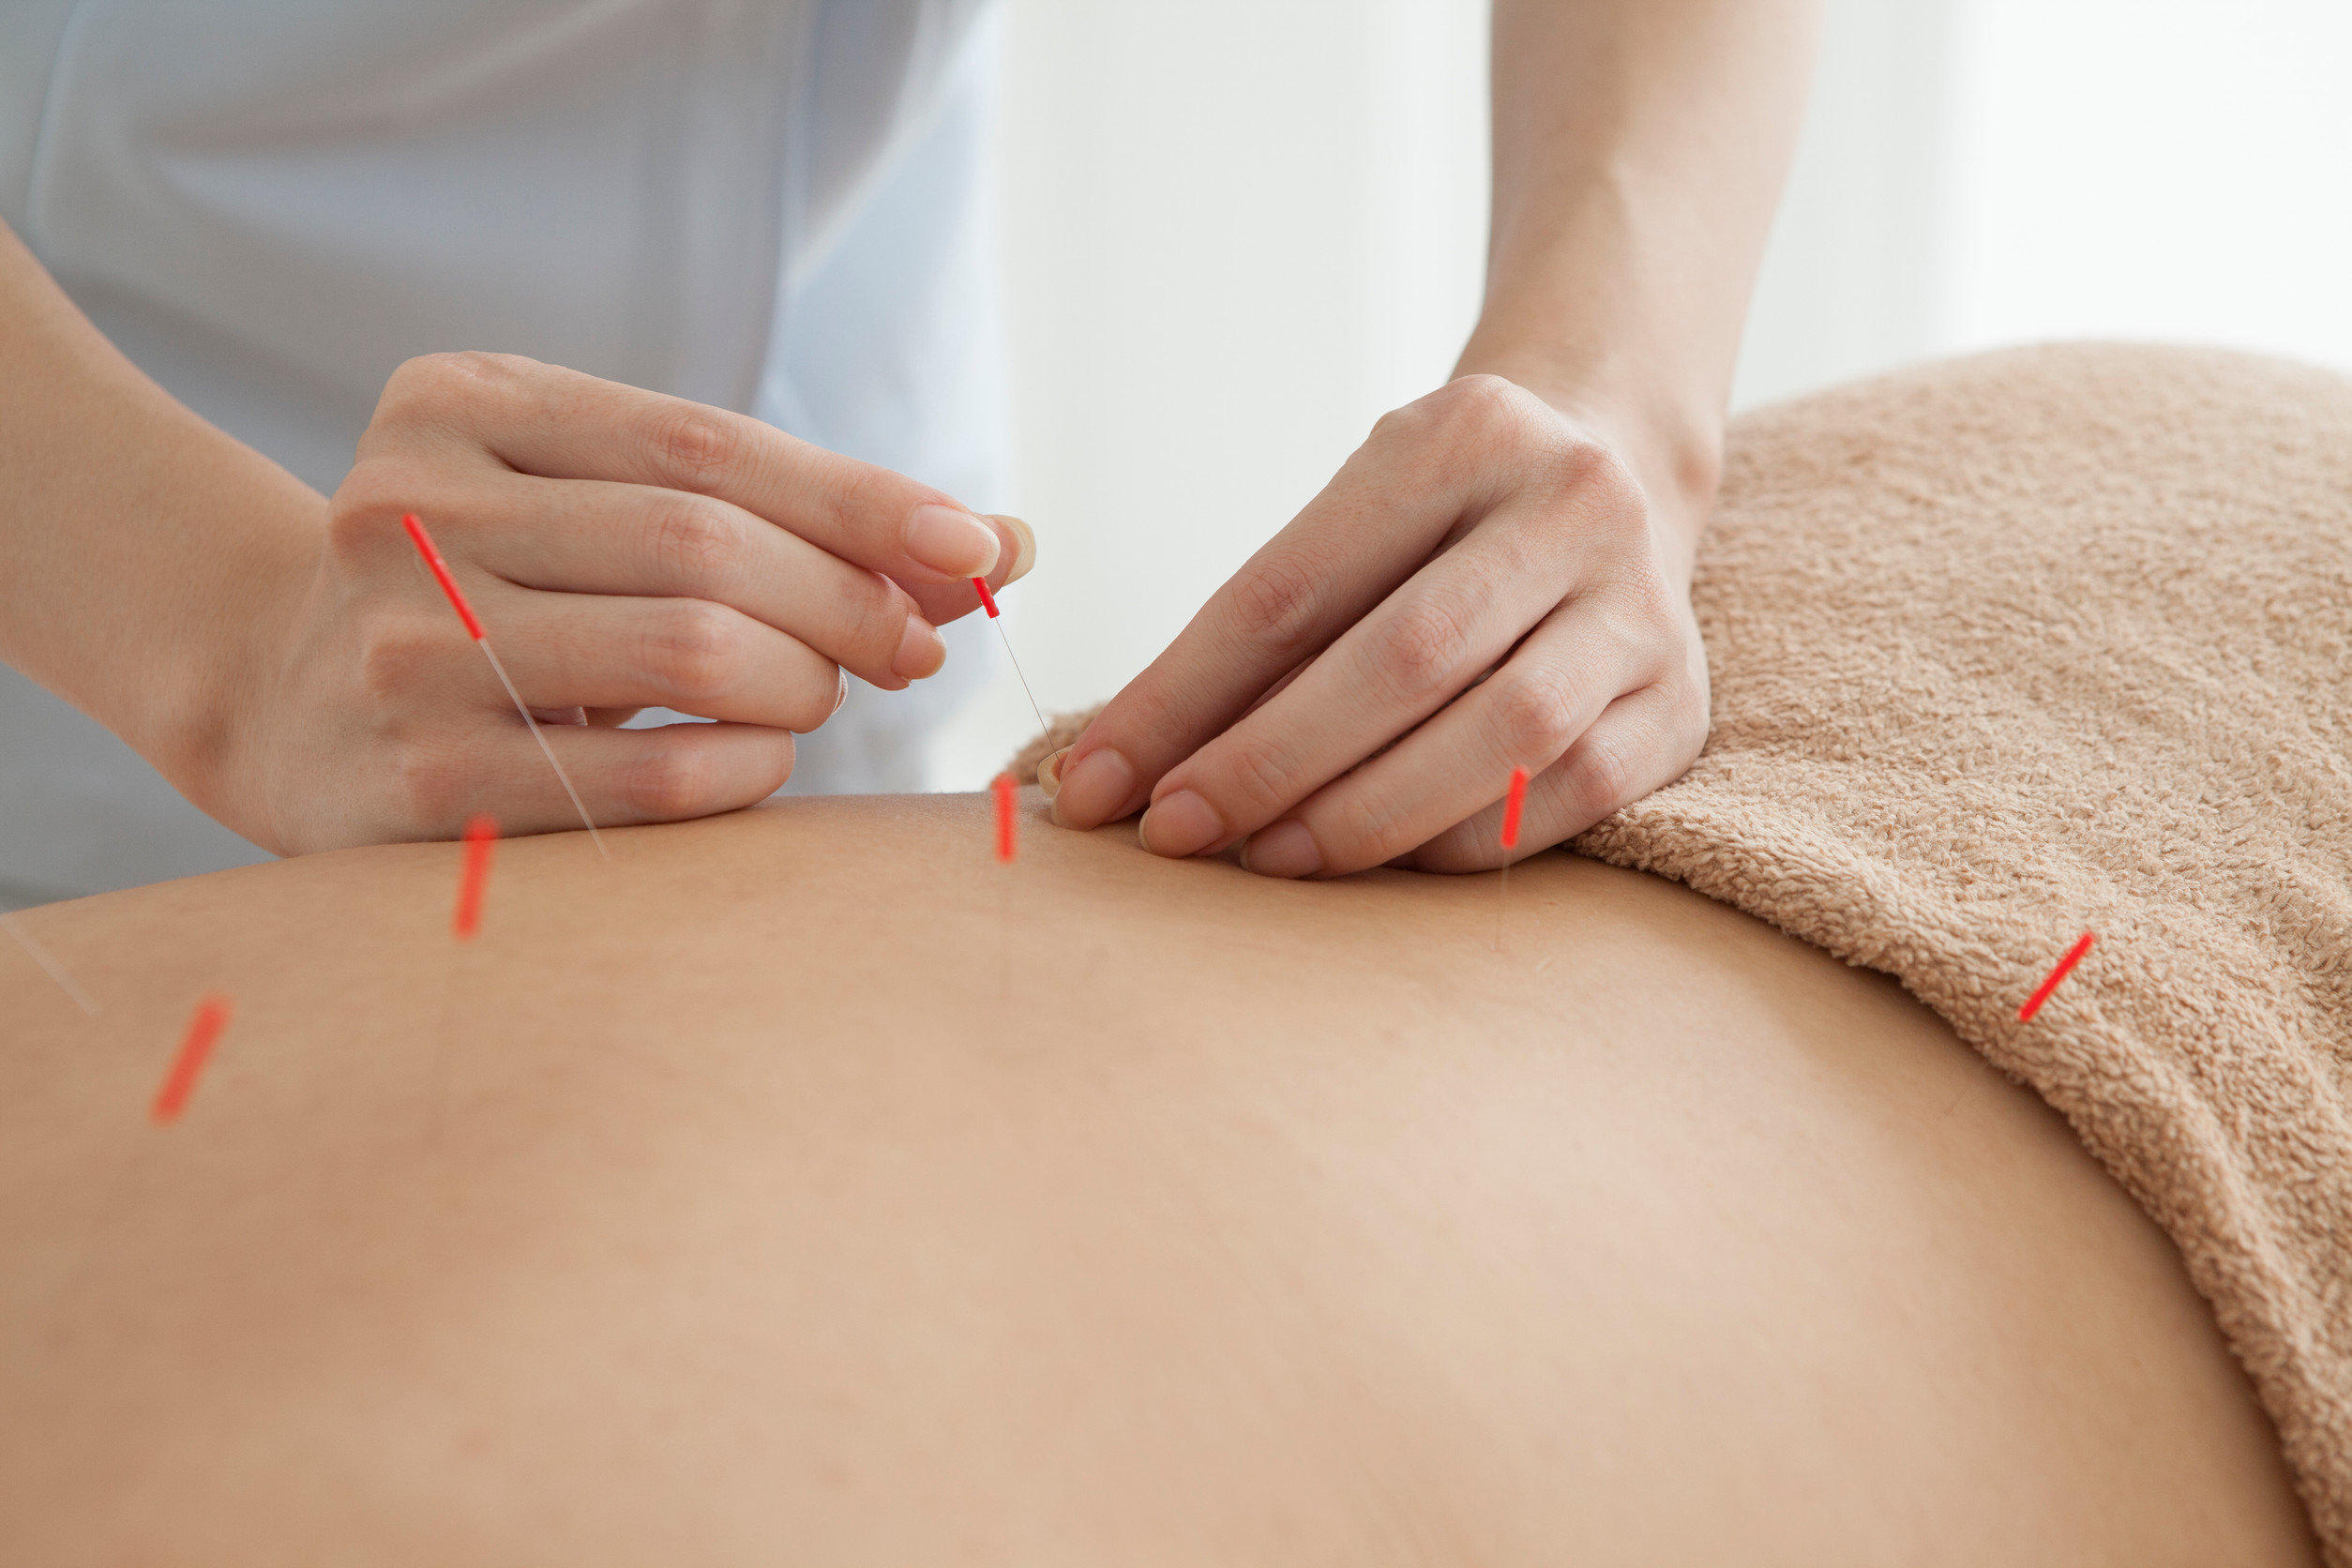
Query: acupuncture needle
48	964
1007	844
2065	967
424	543
465	923
988	602
187	1064
1512	806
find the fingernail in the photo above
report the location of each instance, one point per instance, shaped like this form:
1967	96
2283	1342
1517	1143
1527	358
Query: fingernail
1025	556
1179	823
1091	791
921	650
842	692
1050	772
950	540
1284	849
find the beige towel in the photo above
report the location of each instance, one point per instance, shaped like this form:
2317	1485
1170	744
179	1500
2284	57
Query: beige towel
2057	640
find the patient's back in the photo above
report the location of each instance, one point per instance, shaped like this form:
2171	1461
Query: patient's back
804	1185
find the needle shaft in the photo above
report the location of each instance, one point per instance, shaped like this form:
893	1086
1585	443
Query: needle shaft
988	602
546	750
50	966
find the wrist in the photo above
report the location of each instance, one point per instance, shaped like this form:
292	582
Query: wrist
146	557
204	675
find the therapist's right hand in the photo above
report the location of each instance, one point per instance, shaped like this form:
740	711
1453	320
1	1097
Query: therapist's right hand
624	550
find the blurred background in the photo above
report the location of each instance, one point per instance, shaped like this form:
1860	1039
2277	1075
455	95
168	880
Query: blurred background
1233	232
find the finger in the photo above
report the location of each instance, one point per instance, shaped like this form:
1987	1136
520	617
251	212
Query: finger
1454	620
560	424
940	605
1527	714
1278	688
1642	742
1049	765
1428	470
591	651
1340	556
624	776
593	537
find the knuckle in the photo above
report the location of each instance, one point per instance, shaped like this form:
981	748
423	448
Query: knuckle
434	394
1473	430
1470	407
409	400
693	650
1638	621
1425	648
1536	709
861	497
694	444
1354	829
1479	393
460	367
693	542
874	621
1273	601
1404	426
416	379
1687	723
1260	775
671	782
1596	479
431	380
1602	778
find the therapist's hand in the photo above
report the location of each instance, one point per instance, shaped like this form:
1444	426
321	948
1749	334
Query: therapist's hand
1499	577
624	550
1484	586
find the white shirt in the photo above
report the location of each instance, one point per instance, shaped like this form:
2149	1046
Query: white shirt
773	206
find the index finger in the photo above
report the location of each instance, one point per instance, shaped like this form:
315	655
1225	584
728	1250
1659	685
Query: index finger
560	424
1372	527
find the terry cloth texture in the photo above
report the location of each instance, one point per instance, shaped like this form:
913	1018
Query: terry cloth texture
2061	641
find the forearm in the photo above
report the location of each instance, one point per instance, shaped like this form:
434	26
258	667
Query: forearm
1639	149
137	542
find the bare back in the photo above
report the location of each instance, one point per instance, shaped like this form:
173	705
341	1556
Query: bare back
804	1183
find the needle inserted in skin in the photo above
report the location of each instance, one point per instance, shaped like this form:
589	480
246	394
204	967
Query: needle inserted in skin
1007	817
50	966
1007	843
988	602
481	837
473	628
1513	803
204	1030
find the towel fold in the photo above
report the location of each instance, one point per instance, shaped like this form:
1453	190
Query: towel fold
2059	641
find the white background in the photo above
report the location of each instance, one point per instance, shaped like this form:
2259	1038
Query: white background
1233	232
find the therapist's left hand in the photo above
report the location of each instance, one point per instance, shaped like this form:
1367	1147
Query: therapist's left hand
1487	584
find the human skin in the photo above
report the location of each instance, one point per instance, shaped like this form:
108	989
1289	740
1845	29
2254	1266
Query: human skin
279	656
1164	1214
1536	518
